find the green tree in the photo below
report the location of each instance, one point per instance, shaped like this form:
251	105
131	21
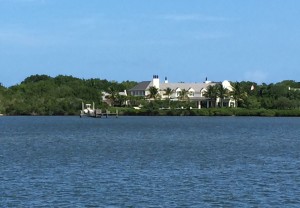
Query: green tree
121	100
222	93
61	95
168	93
251	102
36	78
183	95
211	93
284	103
153	93
112	97
237	93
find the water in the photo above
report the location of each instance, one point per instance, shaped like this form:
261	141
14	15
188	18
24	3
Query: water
149	162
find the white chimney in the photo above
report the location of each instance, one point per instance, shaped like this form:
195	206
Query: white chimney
155	81
166	80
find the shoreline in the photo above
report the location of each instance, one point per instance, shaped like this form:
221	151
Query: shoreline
209	112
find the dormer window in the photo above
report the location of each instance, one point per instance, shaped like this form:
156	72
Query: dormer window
191	92
202	92
178	91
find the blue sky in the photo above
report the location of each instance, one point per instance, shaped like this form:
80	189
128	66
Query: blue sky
185	40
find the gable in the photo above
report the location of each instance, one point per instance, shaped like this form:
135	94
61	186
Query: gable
141	86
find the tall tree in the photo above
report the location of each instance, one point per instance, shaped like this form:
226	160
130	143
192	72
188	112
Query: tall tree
222	93
212	93
168	92
153	93
113	93
183	95
237	93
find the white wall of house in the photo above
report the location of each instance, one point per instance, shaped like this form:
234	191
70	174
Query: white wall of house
177	92
226	84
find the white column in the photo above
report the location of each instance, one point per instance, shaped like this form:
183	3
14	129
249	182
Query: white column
199	104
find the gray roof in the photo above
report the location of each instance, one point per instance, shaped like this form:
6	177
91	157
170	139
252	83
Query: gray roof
196	86
162	86
141	86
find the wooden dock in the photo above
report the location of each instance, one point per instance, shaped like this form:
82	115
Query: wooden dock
106	113
90	111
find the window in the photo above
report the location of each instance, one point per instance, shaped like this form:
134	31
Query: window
191	93
178	91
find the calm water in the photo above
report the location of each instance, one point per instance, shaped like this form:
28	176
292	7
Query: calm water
149	162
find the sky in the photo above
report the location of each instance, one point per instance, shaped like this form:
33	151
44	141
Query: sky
185	40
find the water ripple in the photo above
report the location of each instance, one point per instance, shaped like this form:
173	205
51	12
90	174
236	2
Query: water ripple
149	162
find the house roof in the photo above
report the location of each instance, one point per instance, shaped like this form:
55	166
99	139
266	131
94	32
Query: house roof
162	86
141	86
195	86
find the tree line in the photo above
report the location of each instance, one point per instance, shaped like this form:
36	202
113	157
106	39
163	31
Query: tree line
60	95
63	95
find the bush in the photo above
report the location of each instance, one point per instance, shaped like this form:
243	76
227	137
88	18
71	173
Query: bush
288	113
268	113
221	112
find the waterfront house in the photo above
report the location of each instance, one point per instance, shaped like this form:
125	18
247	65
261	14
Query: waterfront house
195	91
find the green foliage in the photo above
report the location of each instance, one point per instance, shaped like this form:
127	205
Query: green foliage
61	95
153	93
251	102
239	92
288	113
183	95
36	78
211	112
212	94
168	92
283	103
221	93
220	112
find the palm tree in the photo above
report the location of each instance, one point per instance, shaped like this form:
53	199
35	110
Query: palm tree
212	93
153	92
237	92
134	100
183	95
121	99
222	93
168	92
112	95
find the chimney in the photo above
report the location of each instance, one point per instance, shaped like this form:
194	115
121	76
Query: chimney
155	81
166	80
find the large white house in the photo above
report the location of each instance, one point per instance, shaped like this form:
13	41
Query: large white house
196	91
